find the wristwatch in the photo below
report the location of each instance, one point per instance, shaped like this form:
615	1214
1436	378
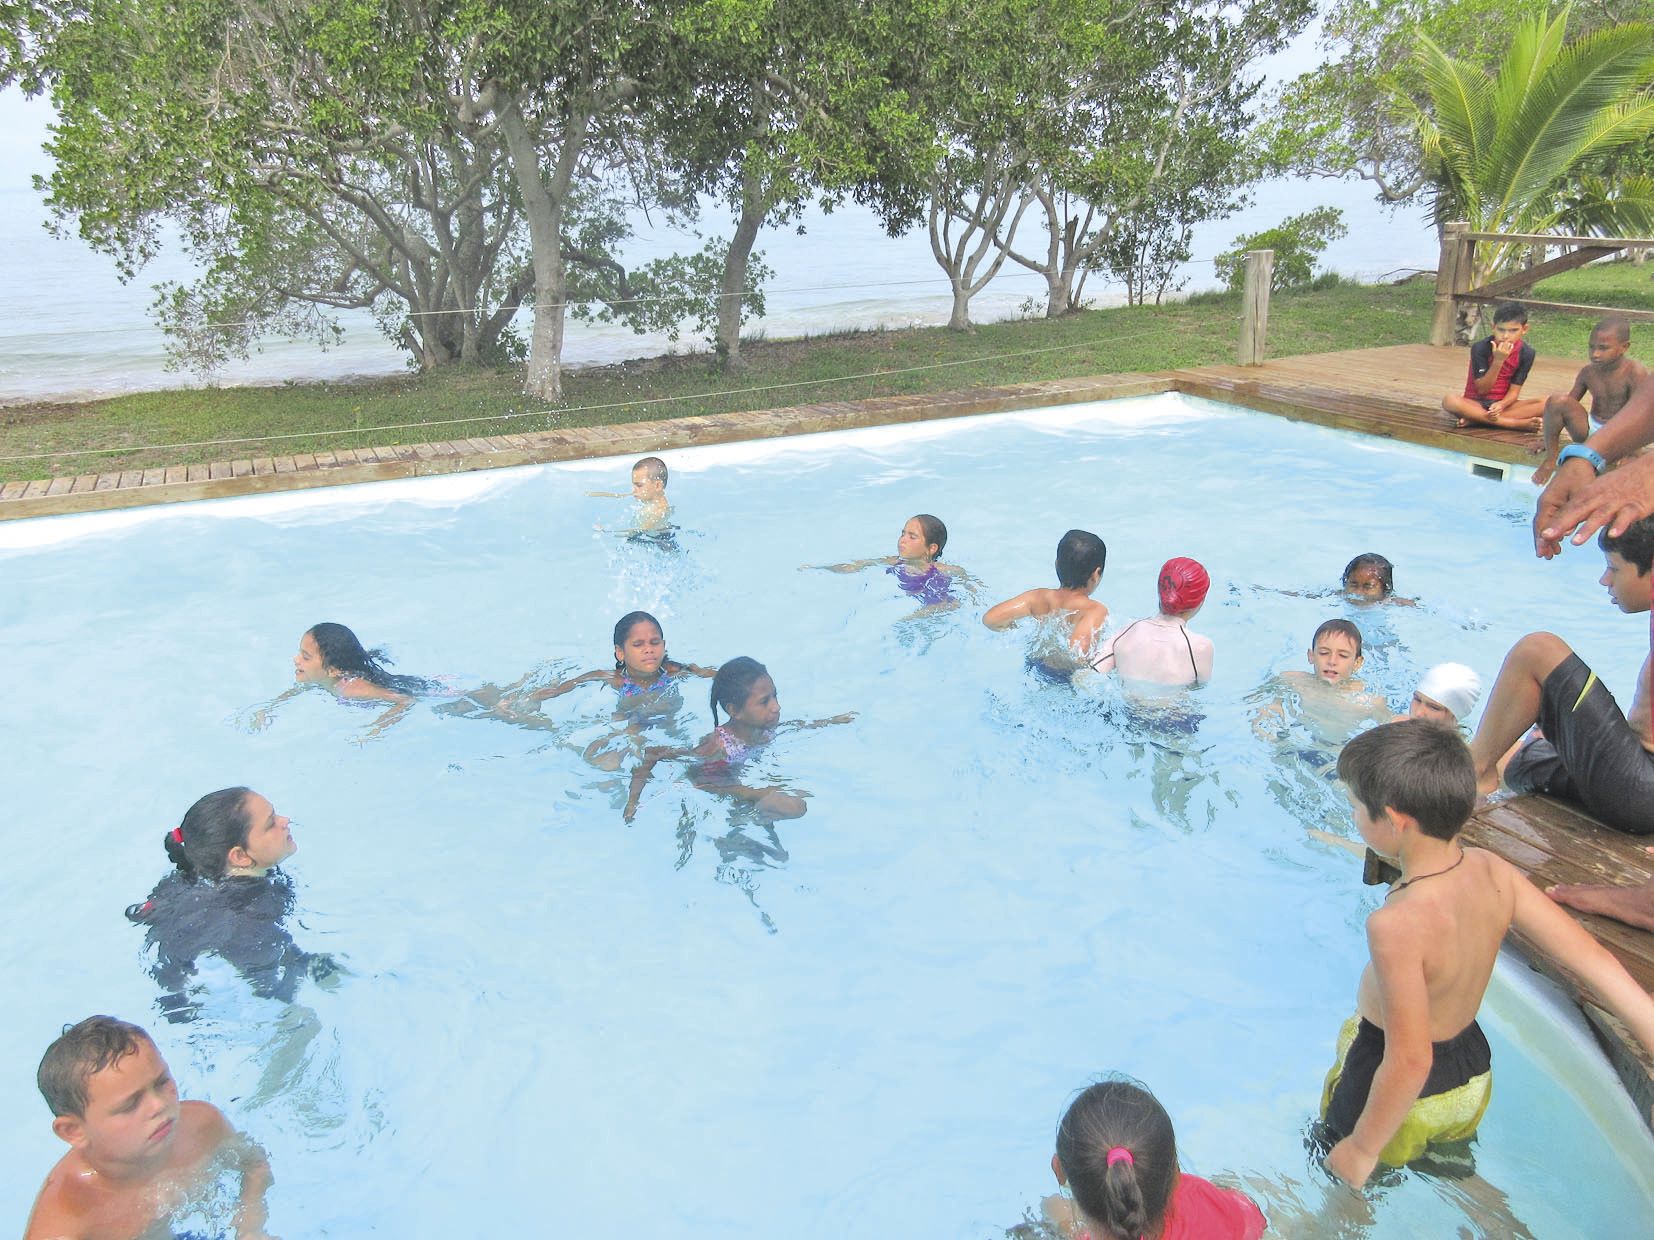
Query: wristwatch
1590	455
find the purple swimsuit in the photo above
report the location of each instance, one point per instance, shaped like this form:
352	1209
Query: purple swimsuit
930	586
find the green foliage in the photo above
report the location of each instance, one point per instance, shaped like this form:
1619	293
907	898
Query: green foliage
1298	242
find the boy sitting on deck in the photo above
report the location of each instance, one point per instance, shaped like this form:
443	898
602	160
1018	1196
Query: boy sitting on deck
1499	367
1608	380
1588	752
1413	1067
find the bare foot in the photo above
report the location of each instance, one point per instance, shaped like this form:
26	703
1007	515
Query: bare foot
1532	424
1632	905
1462	423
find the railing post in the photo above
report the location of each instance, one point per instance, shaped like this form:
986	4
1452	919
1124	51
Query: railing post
1260	268
1452	270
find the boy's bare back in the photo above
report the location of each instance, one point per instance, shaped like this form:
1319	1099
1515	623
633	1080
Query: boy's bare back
1088	614
1609	390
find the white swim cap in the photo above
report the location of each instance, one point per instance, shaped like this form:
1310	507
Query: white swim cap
1454	685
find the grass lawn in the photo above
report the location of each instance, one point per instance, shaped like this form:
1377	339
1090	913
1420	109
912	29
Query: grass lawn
470	402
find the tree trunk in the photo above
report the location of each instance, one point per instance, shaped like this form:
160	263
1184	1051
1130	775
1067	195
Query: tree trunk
960	320
754	207
1056	293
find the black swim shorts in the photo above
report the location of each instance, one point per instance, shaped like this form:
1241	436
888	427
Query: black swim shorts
1589	753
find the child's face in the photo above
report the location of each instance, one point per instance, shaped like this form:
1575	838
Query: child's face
762	708
1432	710
1606	349
269	838
1365	584
644	649
131	1111
308	665
645	488
1334	658
1509	332
1626	586
911	544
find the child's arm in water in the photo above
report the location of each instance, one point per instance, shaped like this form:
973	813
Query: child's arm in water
250	1160
510	700
804	725
1004	615
359	690
263	716
854	566
645	768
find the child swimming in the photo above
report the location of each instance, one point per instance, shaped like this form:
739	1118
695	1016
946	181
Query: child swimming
1371	578
1117	1157
1328	699
1078	617
138	1155
649	490
646	680
1447	693
917	565
330	656
746	692
226	897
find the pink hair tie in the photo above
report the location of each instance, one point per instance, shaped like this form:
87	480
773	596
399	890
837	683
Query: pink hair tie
1120	1154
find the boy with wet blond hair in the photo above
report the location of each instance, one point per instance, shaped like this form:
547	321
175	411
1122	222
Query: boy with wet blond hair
137	1154
1413	1067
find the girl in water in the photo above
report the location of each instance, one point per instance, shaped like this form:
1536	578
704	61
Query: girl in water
752	719
226	896
1117	1157
917	565
645	679
1370	578
331	656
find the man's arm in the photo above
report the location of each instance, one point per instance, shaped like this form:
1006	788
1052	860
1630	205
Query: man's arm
1577	501
1398	968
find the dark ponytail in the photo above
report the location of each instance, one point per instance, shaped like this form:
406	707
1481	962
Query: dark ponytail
1119	1155
343	652
200	845
732	686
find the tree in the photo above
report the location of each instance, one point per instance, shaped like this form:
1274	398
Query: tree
1297	242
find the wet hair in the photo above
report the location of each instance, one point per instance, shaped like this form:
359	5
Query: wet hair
81	1051
1379	564
1338	626
200	845
1510	312
1635	546
732	686
1127	1199
653	469
1615	325
1079	554
934	532
1417	767
623	630
341	651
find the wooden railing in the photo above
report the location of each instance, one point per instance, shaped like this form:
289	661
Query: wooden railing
1454	294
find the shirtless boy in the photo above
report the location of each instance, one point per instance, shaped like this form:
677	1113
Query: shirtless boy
1160	650
1413	1067
648	489
1332	702
1589	752
1608	380
137	1154
1080	559
1499	367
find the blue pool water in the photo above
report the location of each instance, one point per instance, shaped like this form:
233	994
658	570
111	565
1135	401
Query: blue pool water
866	1022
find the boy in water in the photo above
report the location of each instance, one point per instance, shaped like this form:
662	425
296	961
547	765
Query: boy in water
137	1154
648	489
1608	381
1499	367
1331	701
1413	1067
1080	559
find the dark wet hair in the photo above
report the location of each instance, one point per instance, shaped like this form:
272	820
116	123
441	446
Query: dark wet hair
200	845
80	1052
341	651
934	532
1379	564
1345	627
1415	766
1079	554
732	686
1510	312
623	630
1128	1199
1615	325
653	469
1635	546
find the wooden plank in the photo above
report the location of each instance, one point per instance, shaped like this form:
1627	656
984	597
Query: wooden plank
198	473
37	488
220	469
14	490
1613	243
61	486
1635	316
84	483
176	473
1540	271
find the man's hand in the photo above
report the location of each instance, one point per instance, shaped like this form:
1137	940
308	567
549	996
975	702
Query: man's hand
1578	503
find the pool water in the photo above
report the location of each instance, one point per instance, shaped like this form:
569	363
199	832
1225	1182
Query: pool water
863	1022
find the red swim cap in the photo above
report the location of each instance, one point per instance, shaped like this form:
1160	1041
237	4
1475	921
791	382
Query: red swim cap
1183	585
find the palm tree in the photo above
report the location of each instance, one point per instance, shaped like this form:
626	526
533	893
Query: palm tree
1524	150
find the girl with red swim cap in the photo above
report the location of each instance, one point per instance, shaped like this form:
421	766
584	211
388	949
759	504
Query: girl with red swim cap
1160	649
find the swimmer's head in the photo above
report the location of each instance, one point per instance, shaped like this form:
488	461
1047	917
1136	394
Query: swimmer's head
1183	585
1447	694
738	686
112	1097
649	479
1369	578
1080	559
640	646
328	651
231	829
1610	340
1335	651
80	1052
923	537
1118	1155
1414	767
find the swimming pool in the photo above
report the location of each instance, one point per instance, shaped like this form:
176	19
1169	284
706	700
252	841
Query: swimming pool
865	1024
